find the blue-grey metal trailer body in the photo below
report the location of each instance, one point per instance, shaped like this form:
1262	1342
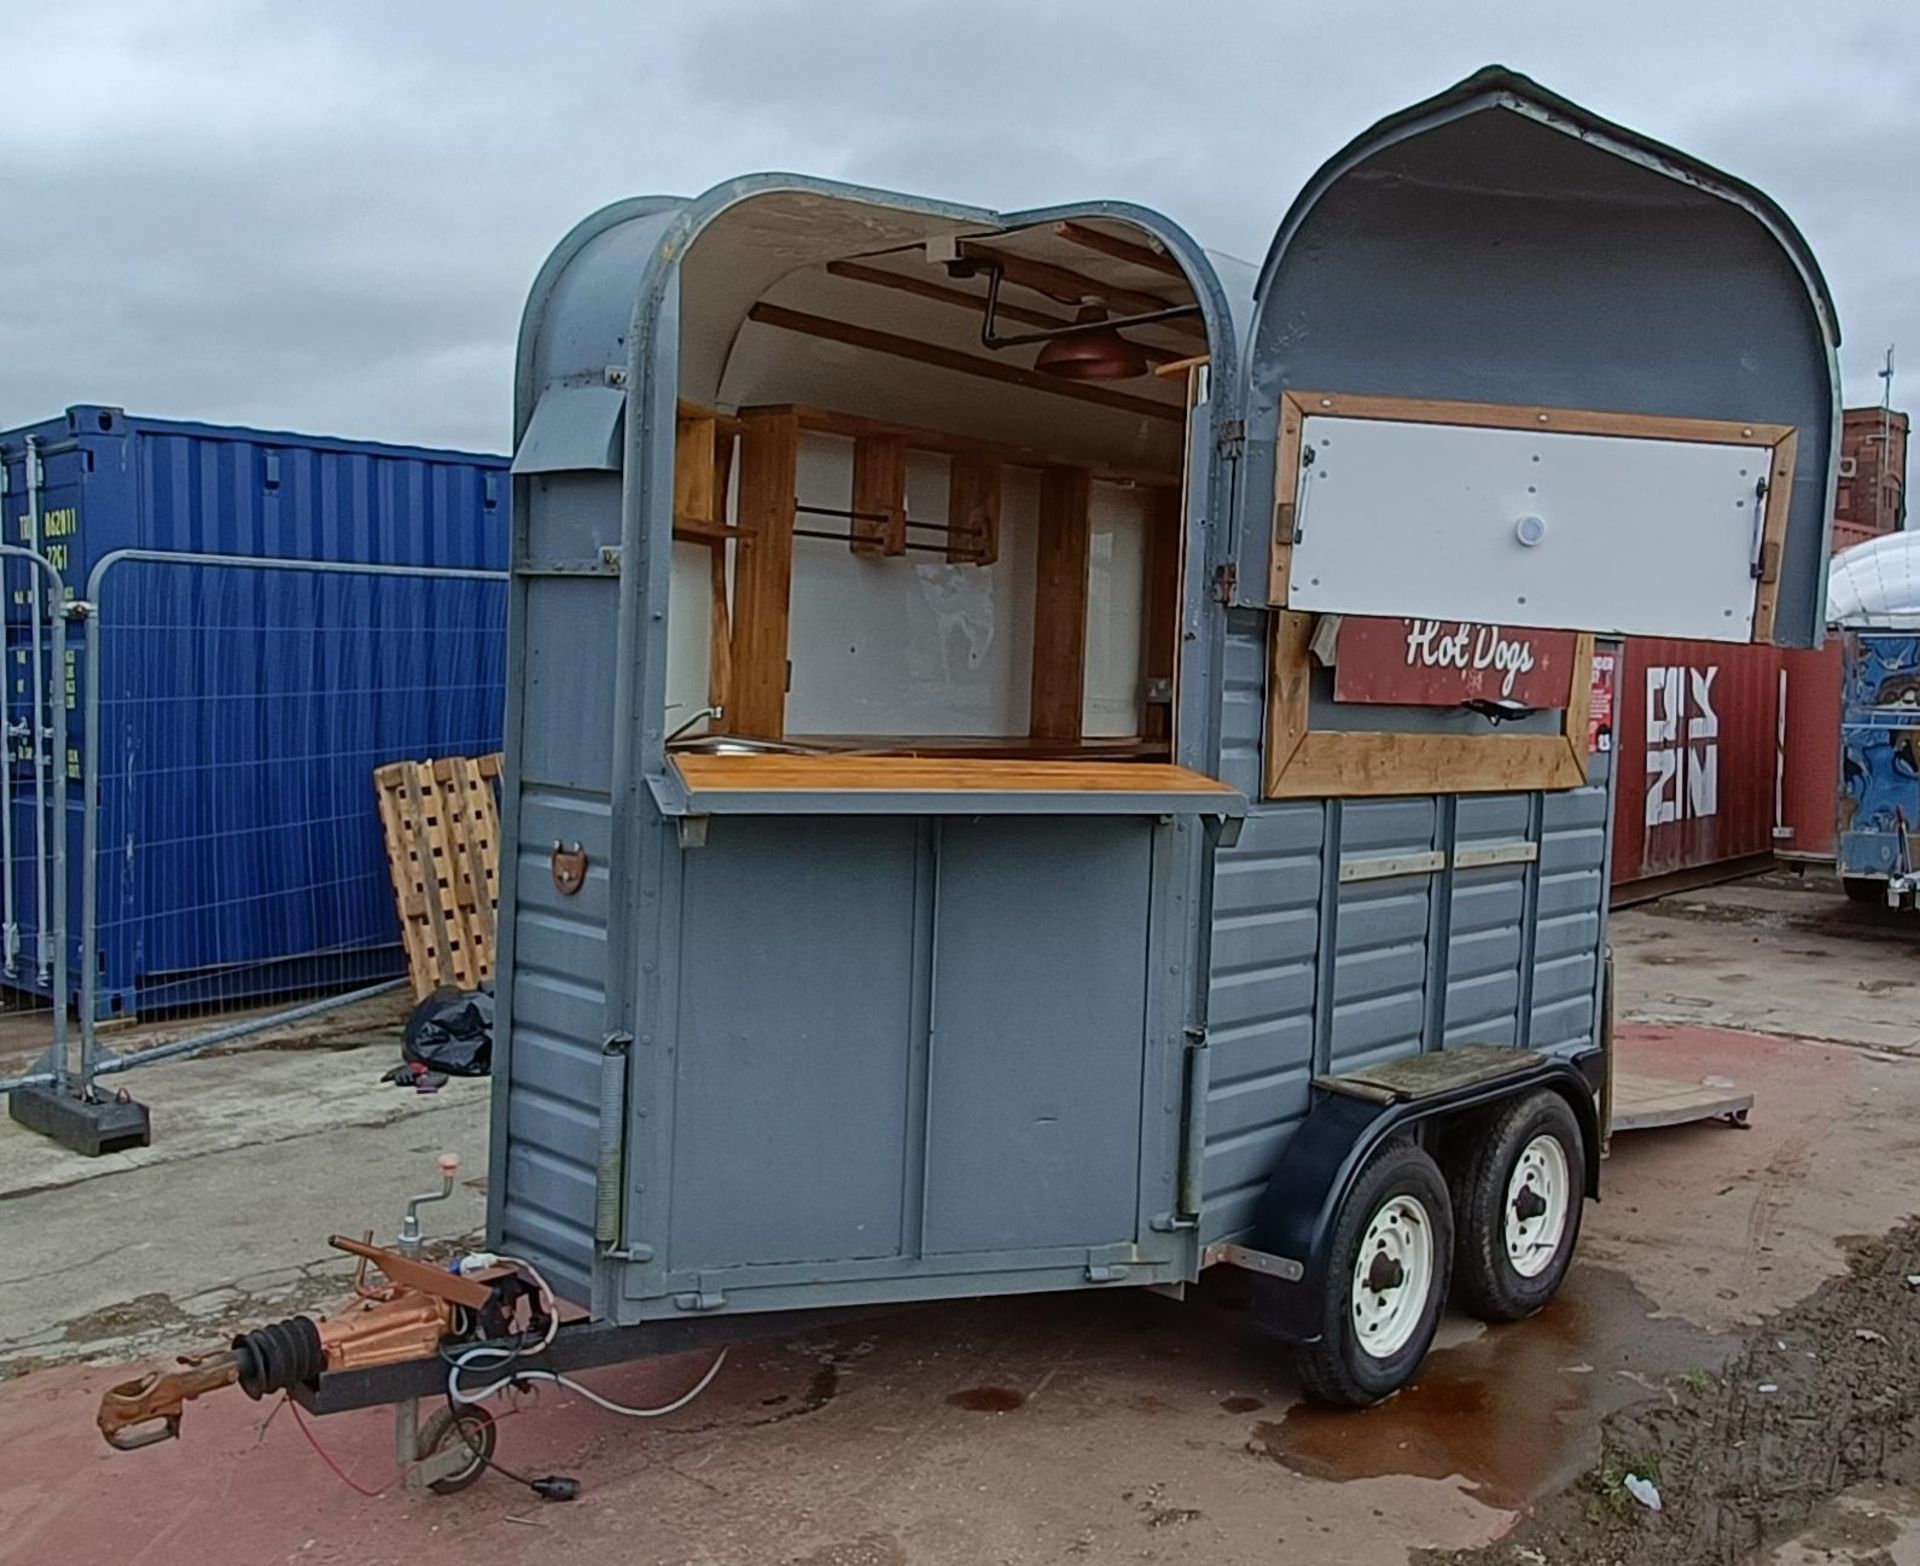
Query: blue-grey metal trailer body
947	853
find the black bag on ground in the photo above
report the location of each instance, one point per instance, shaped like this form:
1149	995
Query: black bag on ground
452	1031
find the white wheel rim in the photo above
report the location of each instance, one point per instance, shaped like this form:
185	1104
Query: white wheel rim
1536	1210
1392	1277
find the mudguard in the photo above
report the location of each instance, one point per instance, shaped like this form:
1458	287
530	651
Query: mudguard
1308	1187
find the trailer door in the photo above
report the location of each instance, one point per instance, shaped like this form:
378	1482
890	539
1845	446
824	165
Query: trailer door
1512	365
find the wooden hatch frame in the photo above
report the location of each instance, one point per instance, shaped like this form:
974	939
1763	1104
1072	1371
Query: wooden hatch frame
1780	439
1303	762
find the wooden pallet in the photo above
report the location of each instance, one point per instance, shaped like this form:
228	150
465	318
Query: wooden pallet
1648	1103
442	825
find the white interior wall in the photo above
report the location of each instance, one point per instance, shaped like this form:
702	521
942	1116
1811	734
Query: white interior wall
689	634
907	644
910	645
1120	516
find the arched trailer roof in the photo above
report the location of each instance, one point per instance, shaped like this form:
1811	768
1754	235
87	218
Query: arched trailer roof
1496	86
1500	244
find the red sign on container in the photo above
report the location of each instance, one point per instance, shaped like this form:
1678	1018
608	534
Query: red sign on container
1442	663
1600	705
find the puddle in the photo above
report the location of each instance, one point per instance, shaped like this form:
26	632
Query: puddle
1516	1410
822	1388
988	1400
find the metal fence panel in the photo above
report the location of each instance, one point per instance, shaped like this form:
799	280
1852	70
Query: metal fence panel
34	800
235	711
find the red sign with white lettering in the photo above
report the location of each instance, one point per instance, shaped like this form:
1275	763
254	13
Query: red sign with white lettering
1442	663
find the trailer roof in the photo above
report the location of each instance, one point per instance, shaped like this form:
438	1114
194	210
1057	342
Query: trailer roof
1499	86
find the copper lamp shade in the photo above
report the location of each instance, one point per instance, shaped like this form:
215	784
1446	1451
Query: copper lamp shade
1091	356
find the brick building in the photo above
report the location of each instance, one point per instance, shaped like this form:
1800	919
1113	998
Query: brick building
1872	495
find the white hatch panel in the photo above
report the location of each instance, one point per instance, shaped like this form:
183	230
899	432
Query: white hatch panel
1514	527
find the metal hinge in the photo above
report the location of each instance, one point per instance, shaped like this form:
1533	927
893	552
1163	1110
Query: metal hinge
1226	583
1233	438
704	1300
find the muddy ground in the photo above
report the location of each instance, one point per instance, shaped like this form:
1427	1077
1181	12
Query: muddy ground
1810	1432
1095	1427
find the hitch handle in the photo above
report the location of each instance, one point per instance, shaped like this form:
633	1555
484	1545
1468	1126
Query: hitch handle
162	1427
146	1411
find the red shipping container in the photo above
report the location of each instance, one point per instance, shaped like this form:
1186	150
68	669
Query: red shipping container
1698	749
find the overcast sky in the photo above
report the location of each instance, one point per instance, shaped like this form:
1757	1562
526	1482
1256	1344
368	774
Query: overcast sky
325	217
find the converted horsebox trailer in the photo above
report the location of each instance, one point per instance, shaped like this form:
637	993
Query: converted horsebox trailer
1038	758
944	862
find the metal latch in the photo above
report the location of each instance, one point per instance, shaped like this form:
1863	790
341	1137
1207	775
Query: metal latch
1233	438
569	866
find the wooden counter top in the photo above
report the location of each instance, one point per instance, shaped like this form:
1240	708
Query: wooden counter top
895	785
937	774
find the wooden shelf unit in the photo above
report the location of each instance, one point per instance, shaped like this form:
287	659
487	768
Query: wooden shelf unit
751	572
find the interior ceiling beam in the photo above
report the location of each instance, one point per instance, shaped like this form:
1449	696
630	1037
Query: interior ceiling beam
1120	249
962	363
1070	287
927	288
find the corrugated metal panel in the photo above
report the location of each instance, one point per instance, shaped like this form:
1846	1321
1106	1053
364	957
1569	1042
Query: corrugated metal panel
1266	935
1519	939
1568	930
558	1021
1380	936
1697	740
1485	923
1260	1015
244	710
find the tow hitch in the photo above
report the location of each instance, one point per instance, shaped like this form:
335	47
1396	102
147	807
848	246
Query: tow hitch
467	1333
384	1325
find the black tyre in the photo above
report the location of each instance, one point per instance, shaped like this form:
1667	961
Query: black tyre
1519	1177
1386	1281
471	1427
1864	889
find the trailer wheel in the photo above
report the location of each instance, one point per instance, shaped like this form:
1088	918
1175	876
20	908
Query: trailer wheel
1387	1273
471	1427
1520	1182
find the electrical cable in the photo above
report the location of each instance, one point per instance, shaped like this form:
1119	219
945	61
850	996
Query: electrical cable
326	1457
502	1356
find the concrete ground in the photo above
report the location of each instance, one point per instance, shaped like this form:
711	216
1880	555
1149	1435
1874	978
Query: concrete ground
1121	1427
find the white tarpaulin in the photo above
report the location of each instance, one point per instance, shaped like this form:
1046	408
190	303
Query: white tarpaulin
1876	584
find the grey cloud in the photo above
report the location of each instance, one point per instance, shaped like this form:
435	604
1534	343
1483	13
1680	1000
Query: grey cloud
327	217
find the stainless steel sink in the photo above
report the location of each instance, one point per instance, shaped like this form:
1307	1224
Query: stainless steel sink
740	745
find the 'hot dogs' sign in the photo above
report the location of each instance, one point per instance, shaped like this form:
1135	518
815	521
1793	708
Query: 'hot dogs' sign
1441	663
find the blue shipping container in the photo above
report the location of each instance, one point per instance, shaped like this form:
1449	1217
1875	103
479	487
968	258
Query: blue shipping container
242	709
